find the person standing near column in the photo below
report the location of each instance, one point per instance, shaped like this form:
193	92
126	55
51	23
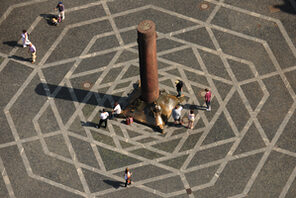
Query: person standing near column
25	38
179	87
191	118
61	8
176	114
103	118
208	96
32	50
116	110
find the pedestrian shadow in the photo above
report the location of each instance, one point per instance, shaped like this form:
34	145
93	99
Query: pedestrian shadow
193	106
48	18
20	58
88	124
115	184
12	43
287	7
64	93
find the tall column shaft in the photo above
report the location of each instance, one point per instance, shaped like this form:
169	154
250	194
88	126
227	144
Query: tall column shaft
148	61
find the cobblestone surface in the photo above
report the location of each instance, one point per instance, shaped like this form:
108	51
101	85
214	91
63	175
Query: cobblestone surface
243	51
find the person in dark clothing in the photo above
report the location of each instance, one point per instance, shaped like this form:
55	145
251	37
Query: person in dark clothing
127	177
103	118
61	8
179	86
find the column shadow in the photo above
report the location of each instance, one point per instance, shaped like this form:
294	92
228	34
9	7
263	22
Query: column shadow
64	94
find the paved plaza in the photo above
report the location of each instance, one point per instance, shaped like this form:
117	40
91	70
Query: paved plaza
242	50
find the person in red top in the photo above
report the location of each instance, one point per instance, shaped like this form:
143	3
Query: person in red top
208	99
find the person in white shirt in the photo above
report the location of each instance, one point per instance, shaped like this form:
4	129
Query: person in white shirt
177	114
25	38
116	110
103	118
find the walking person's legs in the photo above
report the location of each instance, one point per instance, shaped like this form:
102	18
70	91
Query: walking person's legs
33	57
208	103
62	15
100	123
105	122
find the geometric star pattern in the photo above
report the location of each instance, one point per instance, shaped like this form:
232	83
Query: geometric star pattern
244	147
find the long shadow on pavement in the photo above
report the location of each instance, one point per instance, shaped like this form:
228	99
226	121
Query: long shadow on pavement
115	184
64	93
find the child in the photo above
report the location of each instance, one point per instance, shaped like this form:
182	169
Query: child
127	177
191	118
54	21
32	50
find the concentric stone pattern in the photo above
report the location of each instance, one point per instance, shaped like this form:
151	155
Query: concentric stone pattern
243	52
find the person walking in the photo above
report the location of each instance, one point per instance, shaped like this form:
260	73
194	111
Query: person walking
25	38
127	177
103	118
61	8
179	87
191	118
32	50
208	96
177	114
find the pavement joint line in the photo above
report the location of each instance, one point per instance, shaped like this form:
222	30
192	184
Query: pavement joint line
277	21
111	21
10	8
140	158
267	152
253	114
284	151
58	185
94	87
20	90
207	130
235	84
89	136
67	140
97	155
279	70
6	180
213	13
53	46
288	184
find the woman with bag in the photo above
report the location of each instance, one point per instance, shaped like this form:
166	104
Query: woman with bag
127	177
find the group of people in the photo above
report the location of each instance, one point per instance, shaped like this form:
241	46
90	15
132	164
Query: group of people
176	113
25	35
104	115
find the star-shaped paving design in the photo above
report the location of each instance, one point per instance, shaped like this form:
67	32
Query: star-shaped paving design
93	62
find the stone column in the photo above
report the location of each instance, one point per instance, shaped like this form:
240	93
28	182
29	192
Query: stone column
148	61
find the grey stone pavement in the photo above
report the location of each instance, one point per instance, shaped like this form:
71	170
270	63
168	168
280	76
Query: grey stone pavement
244	51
